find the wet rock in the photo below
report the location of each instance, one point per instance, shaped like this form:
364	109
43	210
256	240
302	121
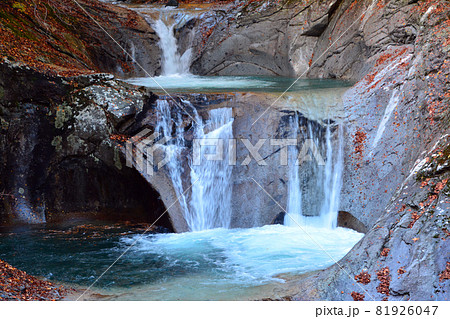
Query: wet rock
347	220
172	3
279	220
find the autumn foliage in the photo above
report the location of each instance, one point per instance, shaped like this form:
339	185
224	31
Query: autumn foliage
357	296
363	277
18	285
43	35
359	141
445	275
385	252
384	277
58	36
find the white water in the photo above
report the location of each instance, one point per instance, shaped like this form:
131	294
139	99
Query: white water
226	264
333	179
173	151
209	203
172	63
294	216
327	185
211	179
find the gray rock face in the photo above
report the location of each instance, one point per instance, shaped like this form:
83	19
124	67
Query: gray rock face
323	39
58	160
356	32
396	181
261	38
236	43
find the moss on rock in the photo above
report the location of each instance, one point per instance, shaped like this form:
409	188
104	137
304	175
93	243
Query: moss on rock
63	114
57	143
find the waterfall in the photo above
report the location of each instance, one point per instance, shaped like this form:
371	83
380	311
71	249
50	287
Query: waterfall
333	179
172	63
209	204
294	214
172	151
211	194
325	181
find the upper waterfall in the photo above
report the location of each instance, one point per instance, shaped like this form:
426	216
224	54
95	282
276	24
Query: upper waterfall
172	62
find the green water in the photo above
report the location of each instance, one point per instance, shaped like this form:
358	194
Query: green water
216	84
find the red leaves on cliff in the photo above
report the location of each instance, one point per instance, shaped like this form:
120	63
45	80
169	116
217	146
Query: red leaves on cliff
359	140
440	186
445	275
206	33
415	216
384	277
18	285
435	190
363	277
41	34
311	60
121	138
381	62
357	296
385	252
380	4
388	57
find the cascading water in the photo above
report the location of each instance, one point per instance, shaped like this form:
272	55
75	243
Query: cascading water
211	178
333	179
294	215
173	150
210	197
172	62
326	181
